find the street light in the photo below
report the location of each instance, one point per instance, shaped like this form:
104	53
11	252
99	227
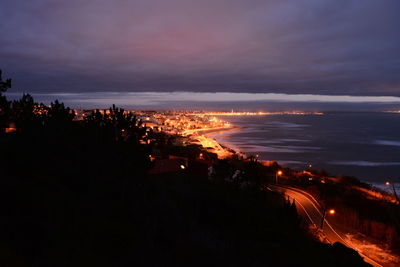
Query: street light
278	173
331	212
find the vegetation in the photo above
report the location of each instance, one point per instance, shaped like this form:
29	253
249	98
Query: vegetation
78	193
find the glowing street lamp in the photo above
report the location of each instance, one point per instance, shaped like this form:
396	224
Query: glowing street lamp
278	173
330	212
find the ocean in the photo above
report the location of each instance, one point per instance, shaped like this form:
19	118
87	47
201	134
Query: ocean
361	144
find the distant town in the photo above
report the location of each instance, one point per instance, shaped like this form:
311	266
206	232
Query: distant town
192	125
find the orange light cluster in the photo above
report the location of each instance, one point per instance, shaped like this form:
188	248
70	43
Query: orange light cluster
40	110
261	113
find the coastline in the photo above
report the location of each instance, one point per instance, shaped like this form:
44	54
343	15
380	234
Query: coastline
212	135
205	138
232	148
217	140
225	150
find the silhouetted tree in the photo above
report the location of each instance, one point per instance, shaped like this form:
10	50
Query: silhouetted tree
23	112
58	113
117	124
4	104
4	85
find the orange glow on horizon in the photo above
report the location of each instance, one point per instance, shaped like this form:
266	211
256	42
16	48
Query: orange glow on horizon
260	113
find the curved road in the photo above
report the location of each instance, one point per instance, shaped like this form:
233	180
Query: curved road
310	209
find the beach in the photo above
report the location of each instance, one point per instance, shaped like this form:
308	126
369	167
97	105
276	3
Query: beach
205	138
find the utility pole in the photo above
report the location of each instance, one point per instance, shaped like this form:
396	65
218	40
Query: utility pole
395	194
394	190
278	173
331	212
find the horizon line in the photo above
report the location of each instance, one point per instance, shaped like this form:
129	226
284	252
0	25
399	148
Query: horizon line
179	96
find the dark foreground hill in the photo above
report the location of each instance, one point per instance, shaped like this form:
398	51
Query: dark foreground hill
92	205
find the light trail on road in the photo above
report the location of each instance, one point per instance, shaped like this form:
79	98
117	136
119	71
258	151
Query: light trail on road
309	208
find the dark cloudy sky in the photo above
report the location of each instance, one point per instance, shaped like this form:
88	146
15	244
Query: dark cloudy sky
299	46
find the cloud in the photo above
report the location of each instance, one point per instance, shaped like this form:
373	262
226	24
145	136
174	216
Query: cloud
221	101
306	46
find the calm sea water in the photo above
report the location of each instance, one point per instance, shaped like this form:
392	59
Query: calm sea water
361	144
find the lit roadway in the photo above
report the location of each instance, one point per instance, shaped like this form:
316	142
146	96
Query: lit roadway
310	209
